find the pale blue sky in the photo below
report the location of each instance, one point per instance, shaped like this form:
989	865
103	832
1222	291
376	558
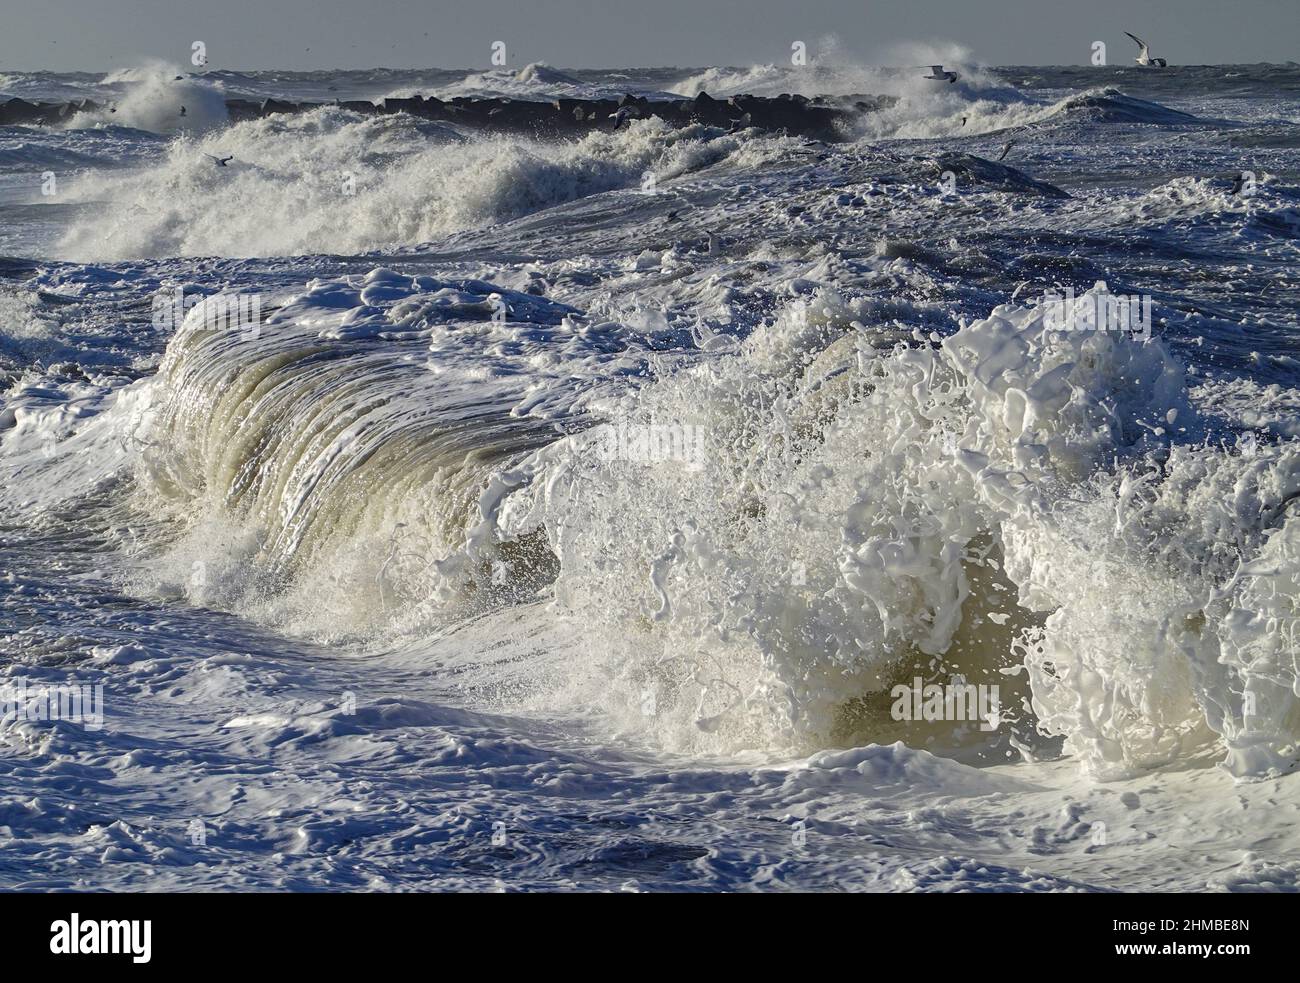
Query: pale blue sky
65	35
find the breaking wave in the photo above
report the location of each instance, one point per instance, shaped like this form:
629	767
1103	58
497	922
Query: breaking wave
832	507
330	181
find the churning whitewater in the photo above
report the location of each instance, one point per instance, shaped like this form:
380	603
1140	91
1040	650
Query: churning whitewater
392	504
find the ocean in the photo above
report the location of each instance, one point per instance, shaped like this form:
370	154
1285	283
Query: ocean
403	506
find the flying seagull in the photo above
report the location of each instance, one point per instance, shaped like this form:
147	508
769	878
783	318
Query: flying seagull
1144	54
739	124
1006	150
221	161
622	116
937	74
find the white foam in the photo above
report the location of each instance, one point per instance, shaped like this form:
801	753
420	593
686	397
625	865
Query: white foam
330	181
155	96
876	477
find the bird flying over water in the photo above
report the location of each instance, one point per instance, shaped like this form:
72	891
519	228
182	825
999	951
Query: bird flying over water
739	124
937	74
1144	54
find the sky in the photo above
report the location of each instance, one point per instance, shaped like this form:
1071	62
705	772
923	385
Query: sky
98	35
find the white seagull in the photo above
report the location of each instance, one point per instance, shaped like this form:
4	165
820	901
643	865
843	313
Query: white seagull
1144	54
739	124
937	74
622	116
